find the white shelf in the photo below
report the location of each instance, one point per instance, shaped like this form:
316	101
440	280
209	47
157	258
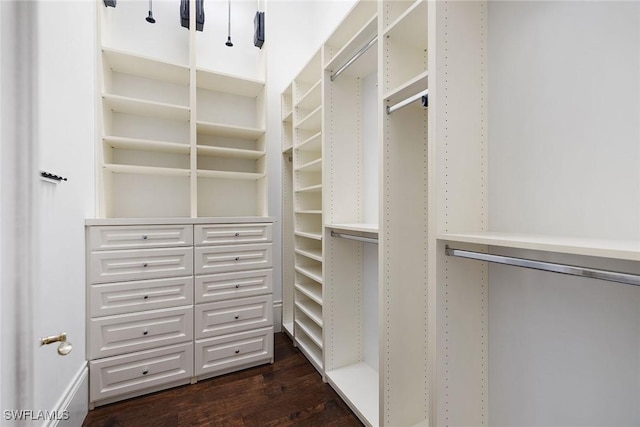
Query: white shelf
315	254
364	228
411	27
368	62
309	235
146	170
311	310
312	290
352	24
312	166
358	385
313	143
313	273
219	129
230	175
615	249
311	189
146	145
313	121
287	116
309	212
139	107
221	82
311	99
313	331
137	65
236	153
310	350
408	88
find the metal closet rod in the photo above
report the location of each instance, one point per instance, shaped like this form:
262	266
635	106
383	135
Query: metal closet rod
354	237
399	105
572	270
353	59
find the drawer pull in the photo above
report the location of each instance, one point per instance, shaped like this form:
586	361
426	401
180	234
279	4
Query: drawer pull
236	316
237	286
237	258
145	265
145	372
145	332
237	350
145	297
237	234
144	237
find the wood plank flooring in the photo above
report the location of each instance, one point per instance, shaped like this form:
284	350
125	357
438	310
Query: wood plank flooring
290	392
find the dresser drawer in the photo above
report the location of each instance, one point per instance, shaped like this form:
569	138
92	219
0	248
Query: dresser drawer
126	333
220	355
223	286
138	264
139	236
120	375
226	317
222	259
229	234
127	297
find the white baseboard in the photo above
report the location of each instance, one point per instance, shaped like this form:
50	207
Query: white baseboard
277	316
73	405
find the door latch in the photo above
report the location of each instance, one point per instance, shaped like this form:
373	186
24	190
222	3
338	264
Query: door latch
64	348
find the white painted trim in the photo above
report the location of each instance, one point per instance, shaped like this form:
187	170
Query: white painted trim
74	401
277	316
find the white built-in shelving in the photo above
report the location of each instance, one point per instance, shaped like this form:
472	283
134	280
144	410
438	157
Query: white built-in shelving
546	183
173	129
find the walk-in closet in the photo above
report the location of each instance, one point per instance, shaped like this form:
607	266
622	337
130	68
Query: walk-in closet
300	212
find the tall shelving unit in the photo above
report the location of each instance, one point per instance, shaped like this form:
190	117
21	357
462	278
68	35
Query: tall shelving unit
368	333
288	238
528	164
308	215
172	129
351	203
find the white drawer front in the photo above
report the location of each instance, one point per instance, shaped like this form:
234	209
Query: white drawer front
119	375
229	234
223	354
126	333
217	287
128	297
139	236
226	317
139	264
222	259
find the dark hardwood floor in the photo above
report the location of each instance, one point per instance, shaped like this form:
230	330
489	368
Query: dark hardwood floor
289	392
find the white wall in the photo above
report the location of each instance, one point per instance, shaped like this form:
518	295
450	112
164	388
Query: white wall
66	70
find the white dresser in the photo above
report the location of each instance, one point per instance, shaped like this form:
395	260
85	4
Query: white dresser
172	301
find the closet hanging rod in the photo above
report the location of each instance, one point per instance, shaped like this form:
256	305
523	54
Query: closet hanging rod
572	270
354	237
353	59
417	96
